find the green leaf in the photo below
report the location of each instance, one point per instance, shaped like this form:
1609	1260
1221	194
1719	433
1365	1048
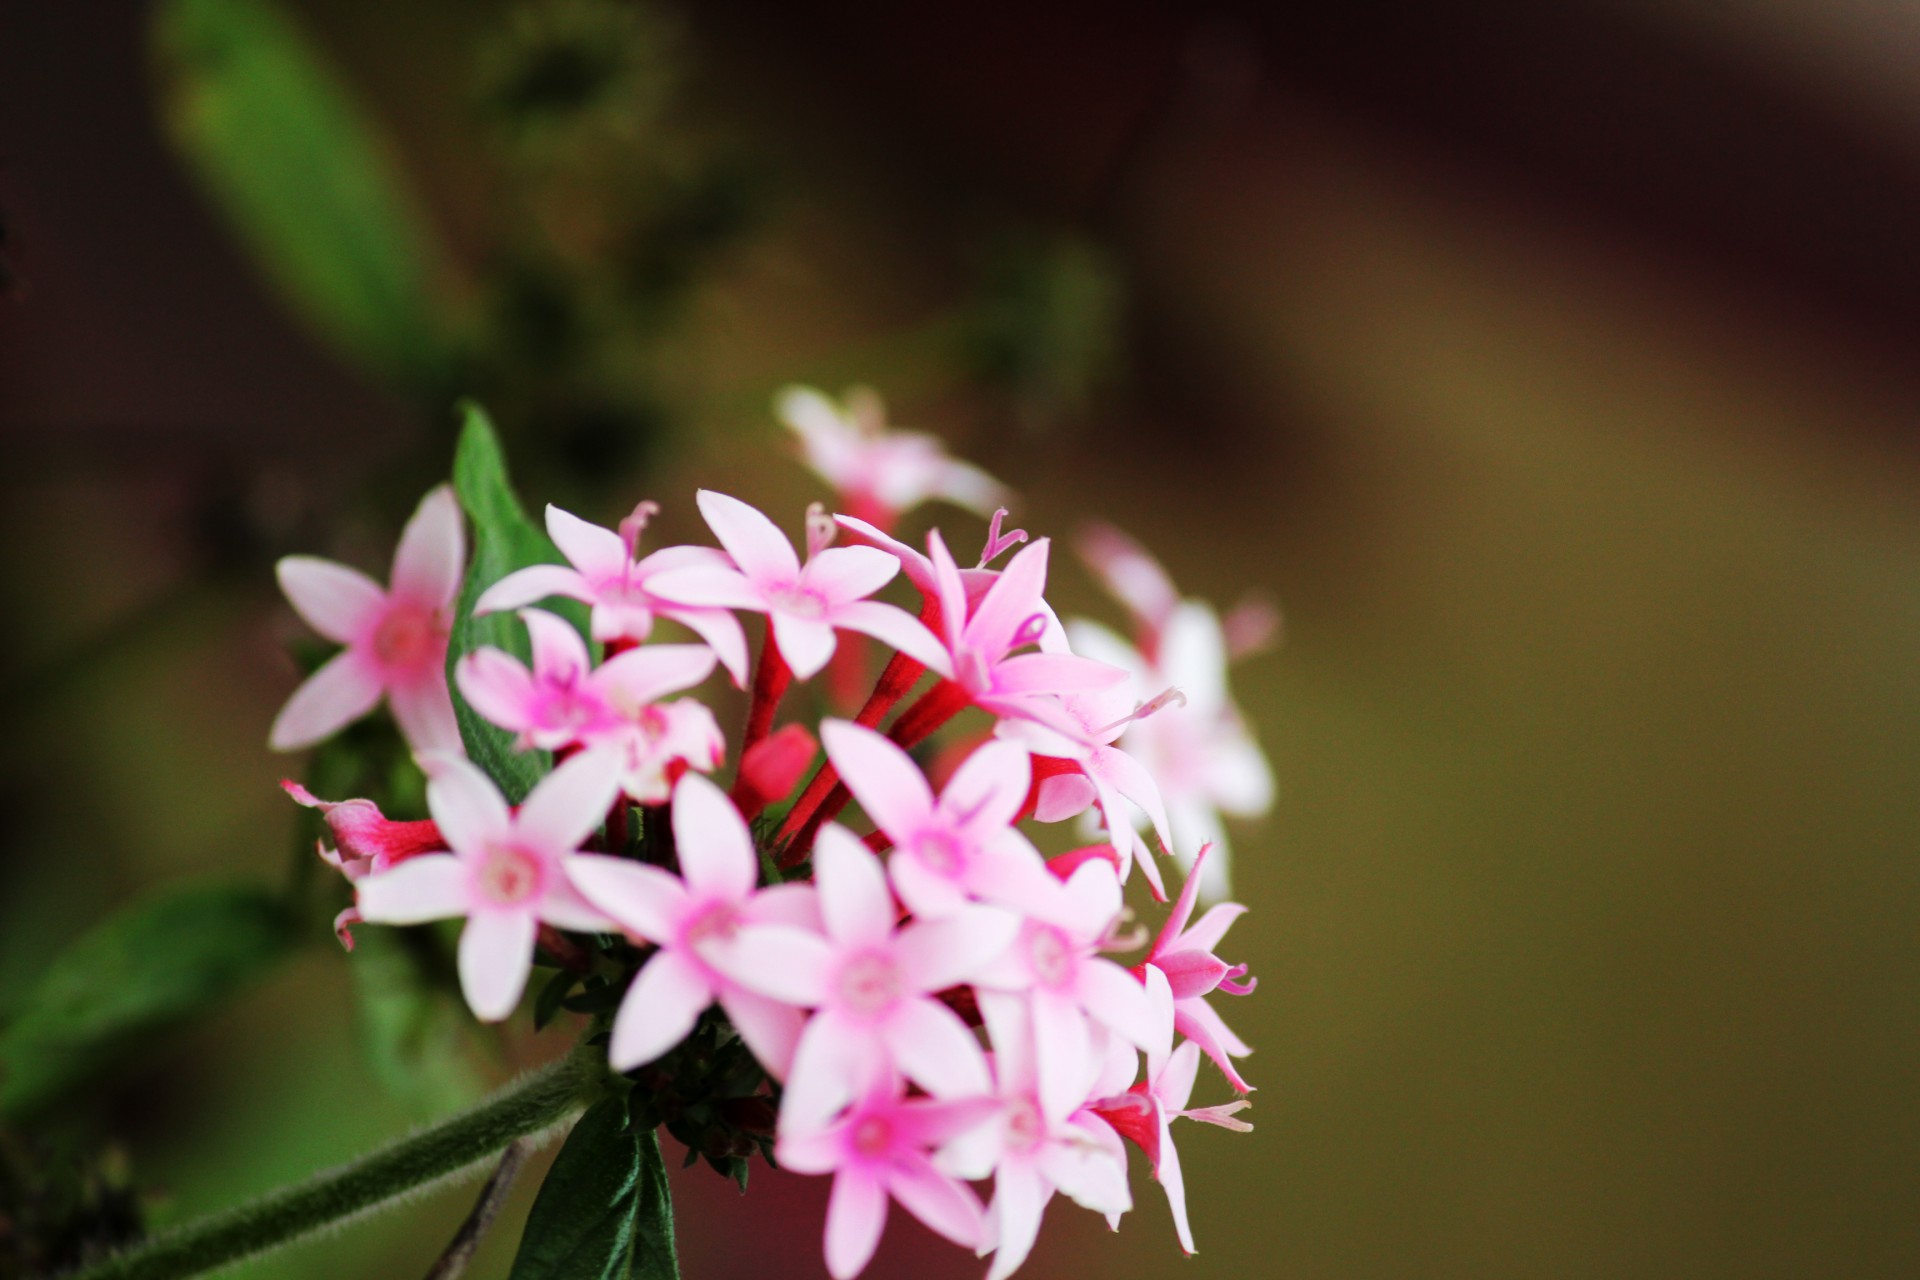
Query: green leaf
504	539
604	1212
307	180
416	1033
161	960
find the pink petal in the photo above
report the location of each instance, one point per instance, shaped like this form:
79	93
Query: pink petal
854	902
1182	909
1009	1023
1191	973
1089	1166
950	590
882	777
496	685
424	712
340	692
812	1153
990	787
432	555
1054	673
716	586
845	574
563	907
1019	1198
717	858
937	954
776	961
832	1065
1130	778
755	542
1174	1086
896	628
597	552
1213	926
430	887
649	673
338	602
465	804
944	1205
926	893
918	568
1197	1021
569	804
644	900
770	1028
1118	1002
1013	598
1062	1053
1160	1018
806	643
935	1050
558	651
496	955
791	904
534	583
722	633
660	1008
856	1213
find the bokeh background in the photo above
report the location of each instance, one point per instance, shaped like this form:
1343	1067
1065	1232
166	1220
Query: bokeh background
1552	366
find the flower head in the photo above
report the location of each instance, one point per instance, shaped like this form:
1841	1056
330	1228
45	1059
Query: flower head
507	872
395	638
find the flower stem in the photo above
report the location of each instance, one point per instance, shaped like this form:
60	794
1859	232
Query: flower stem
536	1102
770	680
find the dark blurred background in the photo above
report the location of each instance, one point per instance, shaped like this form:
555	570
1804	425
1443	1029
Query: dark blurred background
1553	366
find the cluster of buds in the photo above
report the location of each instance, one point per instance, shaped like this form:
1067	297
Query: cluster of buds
932	1002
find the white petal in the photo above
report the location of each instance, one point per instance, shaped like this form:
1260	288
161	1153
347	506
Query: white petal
336	601
883	778
755	542
496	955
715	848
896	628
934	1049
856	1214
644	900
595	551
424	711
336	695
465	804
659	1009
534	583
845	574
569	803
432	886
432	555
806	643
854	901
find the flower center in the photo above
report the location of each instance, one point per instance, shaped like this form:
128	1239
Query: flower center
939	851
508	876
871	1136
716	922
1026	1127
1051	956
799	601
408	637
869	983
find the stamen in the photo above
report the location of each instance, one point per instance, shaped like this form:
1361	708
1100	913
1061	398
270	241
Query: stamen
635	524
1231	982
1166	698
821	529
998	542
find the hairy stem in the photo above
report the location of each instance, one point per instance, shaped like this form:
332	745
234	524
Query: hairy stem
536	1102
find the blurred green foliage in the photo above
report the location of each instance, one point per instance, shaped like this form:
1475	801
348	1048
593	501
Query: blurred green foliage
604	1212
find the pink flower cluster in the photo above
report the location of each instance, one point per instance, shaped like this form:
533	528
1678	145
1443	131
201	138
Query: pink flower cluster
940	1005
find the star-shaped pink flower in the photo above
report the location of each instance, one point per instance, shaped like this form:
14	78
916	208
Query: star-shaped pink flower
806	603
880	473
605	570
507	872
1186	956
689	917
395	638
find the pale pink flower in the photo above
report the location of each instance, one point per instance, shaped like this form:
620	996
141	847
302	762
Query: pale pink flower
983	642
872	983
880	473
1193	972
805	604
879	1148
1198	751
1031	1147
395	638
1056	963
1145	1112
1083	727
507	873
958	848
688	917
605	570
